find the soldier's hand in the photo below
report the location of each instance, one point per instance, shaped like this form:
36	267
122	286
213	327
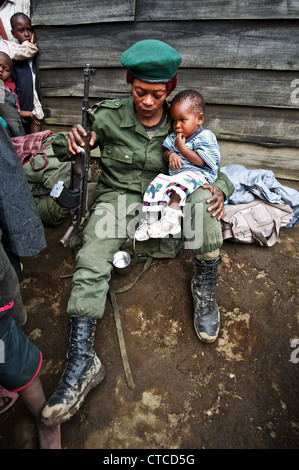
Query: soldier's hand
217	208
75	139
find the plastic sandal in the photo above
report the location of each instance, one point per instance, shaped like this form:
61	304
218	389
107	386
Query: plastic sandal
141	233
12	396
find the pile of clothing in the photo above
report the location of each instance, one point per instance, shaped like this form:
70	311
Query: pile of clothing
262	184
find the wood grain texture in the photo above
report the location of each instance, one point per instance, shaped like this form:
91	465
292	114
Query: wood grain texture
218	86
72	12
173	10
252	45
266	126
242	56
284	162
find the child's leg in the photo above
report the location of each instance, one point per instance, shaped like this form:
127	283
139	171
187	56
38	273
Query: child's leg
169	224
175	201
34	398
34	127
180	185
18	373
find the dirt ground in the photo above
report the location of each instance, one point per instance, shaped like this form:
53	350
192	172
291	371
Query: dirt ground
240	392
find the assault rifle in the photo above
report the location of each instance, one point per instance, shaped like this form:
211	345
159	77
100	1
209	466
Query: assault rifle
75	197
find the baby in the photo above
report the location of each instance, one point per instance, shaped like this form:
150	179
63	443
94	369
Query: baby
193	156
5	66
9	109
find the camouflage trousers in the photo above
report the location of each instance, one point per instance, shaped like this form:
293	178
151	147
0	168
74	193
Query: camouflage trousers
104	234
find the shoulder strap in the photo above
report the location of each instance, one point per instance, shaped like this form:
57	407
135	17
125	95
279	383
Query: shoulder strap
119	330
257	233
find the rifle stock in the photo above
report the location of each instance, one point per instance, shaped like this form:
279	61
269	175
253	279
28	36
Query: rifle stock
80	167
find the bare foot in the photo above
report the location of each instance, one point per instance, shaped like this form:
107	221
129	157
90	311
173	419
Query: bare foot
49	437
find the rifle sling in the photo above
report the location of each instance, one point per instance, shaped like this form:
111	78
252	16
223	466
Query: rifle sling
119	330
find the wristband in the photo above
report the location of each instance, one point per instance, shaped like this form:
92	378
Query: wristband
171	151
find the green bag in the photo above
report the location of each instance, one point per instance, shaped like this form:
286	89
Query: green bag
139	251
153	248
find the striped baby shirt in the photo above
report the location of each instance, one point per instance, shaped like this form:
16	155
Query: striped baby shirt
203	142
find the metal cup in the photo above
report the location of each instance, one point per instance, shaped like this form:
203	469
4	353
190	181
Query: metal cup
121	262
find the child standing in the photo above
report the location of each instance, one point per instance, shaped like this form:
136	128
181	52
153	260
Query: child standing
20	359
24	75
193	155
9	107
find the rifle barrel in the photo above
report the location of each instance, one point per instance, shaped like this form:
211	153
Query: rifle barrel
79	178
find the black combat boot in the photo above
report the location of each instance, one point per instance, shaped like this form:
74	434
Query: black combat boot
206	311
83	372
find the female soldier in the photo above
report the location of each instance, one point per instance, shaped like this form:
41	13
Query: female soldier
130	133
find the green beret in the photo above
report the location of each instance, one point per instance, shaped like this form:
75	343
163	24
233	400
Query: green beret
151	61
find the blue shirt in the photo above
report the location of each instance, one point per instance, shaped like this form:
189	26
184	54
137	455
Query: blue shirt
203	142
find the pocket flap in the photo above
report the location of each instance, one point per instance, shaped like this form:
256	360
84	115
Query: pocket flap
119	153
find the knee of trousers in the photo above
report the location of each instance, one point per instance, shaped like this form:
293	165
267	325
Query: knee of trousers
90	287
204	234
92	275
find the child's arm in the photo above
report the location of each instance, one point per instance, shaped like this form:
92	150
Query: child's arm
23	51
191	155
173	159
29	114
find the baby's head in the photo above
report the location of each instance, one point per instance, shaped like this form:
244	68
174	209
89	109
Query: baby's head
5	66
187	112
21	27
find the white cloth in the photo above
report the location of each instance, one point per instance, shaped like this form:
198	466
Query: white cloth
37	107
18	51
9	8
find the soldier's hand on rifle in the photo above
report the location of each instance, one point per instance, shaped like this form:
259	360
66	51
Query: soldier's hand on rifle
75	139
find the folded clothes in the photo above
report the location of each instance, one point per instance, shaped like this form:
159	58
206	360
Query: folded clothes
251	184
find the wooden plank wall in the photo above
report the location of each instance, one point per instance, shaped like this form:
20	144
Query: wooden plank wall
243	56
